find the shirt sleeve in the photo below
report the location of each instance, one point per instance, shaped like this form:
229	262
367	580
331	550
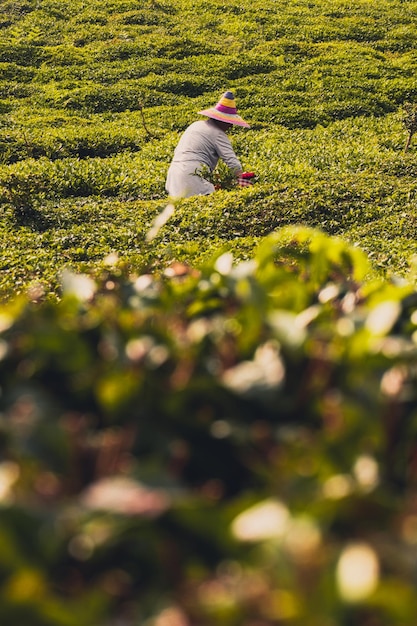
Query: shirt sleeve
226	152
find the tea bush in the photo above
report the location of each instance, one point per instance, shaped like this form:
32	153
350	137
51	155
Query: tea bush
65	138
240	491
42	178
13	71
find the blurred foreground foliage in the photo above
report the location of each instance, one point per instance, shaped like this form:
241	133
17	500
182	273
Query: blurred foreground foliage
230	445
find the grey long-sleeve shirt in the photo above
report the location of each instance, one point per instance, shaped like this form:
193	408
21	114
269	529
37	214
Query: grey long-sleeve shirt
202	143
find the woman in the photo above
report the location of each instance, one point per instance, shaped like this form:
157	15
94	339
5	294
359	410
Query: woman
202	144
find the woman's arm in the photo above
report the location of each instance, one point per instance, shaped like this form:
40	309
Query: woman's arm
227	154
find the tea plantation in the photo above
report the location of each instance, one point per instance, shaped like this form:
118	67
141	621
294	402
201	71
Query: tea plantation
208	408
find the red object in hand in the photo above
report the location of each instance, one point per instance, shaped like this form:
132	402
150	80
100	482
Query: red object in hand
246	179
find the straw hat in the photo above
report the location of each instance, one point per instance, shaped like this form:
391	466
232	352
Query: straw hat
225	111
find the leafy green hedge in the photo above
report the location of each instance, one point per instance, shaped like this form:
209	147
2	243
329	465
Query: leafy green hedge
39	179
226	445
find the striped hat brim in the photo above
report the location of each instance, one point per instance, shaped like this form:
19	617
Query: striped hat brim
229	118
